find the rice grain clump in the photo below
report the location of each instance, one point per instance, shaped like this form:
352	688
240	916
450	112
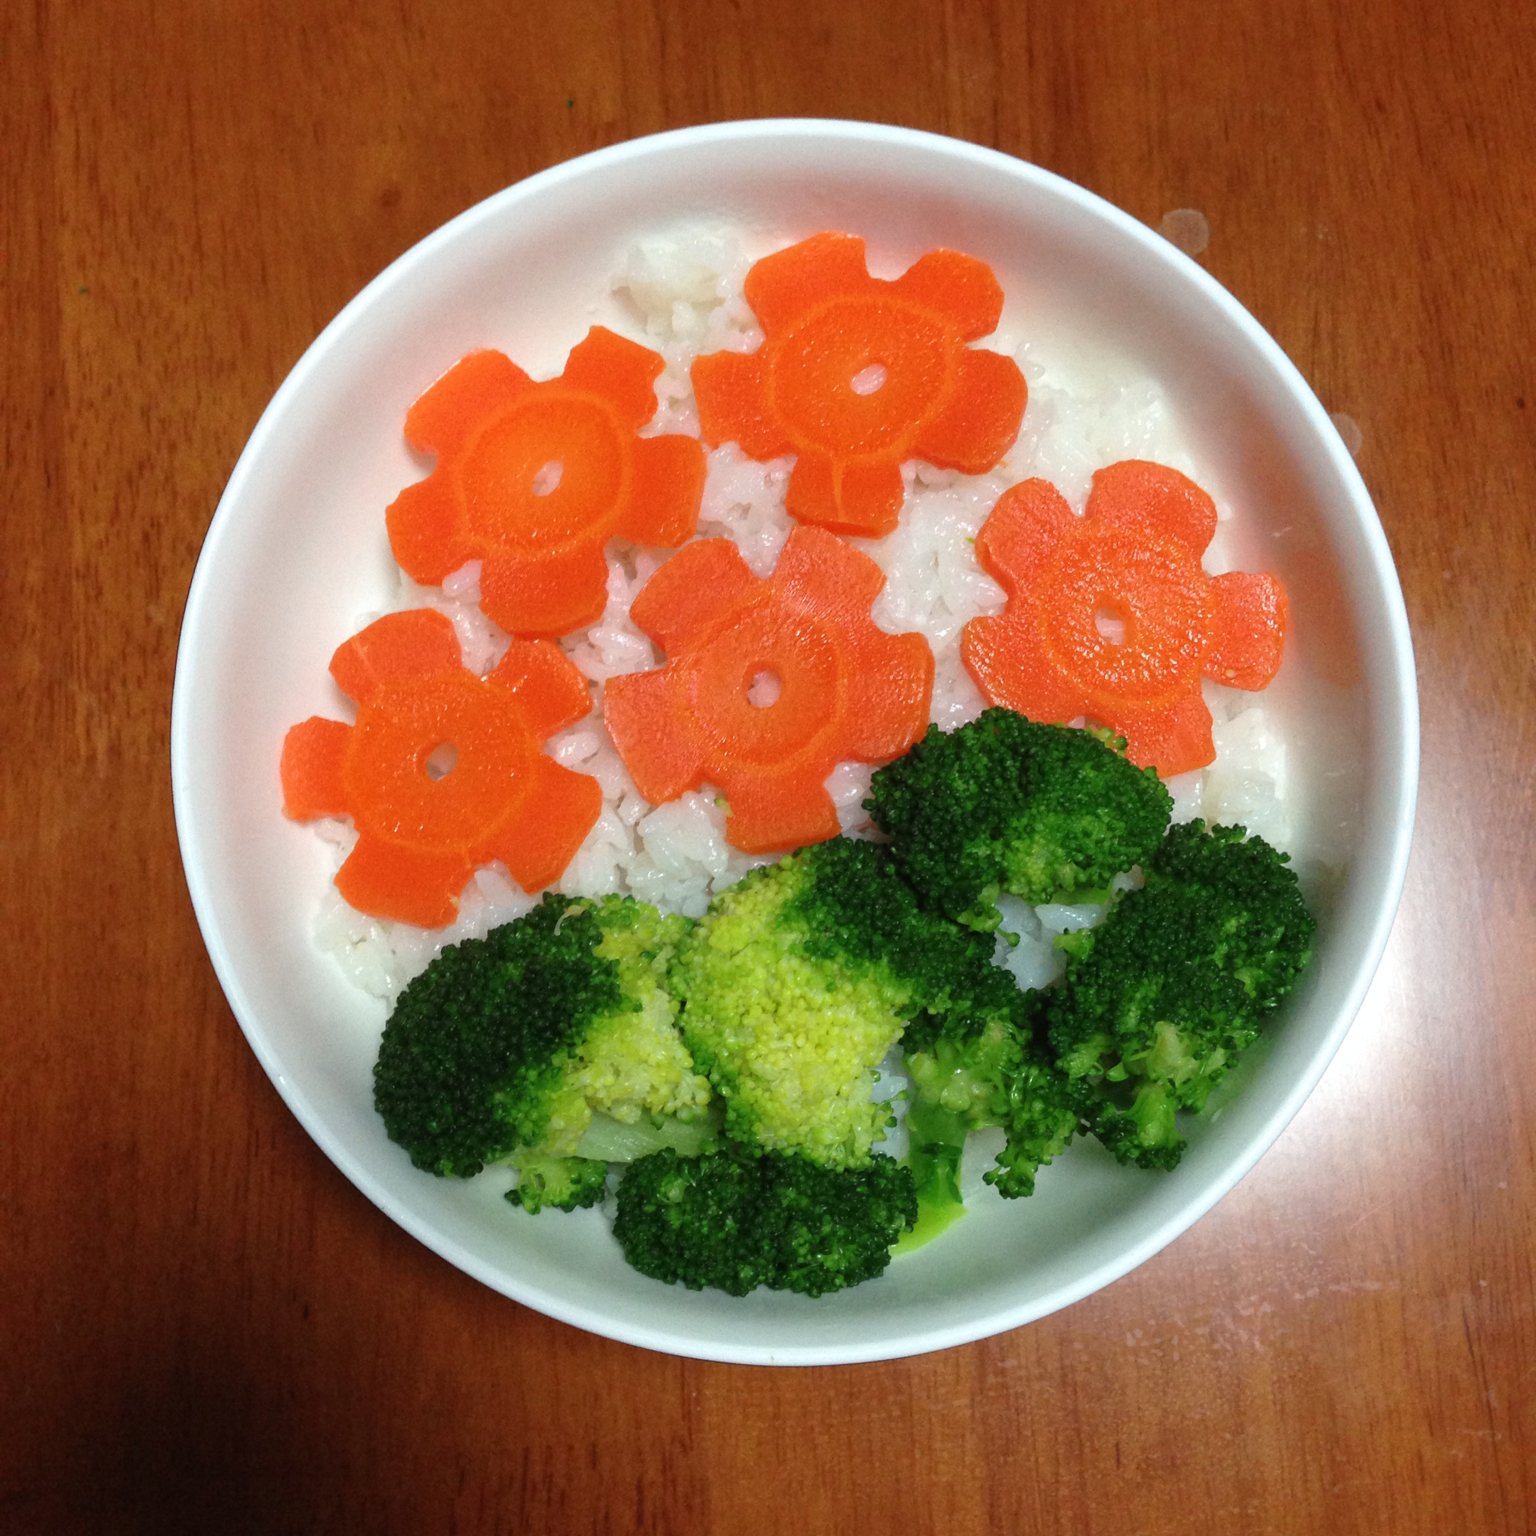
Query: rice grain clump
681	292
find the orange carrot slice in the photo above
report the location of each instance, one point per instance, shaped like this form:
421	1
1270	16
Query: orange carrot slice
416	643
1252	616
313	752
442	771
1111	615
856	375
533	479
846	689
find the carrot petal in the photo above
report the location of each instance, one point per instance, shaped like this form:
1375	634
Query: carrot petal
960	286
1252	615
419	642
403	884
667	490
1006	661
623	372
774	815
545	596
729	389
893	708
662	751
550	691
862	500
313	752
811	496
425	535
1156	498
696	589
818	568
782	287
449	413
982	418
1173	741
560	809
1022	532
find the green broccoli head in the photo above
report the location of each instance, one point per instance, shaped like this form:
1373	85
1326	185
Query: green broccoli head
566	1183
507	1044
735	1220
1177	979
796	983
1135	1119
1044	812
983	1064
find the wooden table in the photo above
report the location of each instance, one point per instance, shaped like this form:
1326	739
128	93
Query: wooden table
206	1328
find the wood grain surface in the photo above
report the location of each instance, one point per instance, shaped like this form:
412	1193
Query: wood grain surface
206	1328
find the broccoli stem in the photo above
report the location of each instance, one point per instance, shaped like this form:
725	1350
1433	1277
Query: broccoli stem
936	1145
616	1142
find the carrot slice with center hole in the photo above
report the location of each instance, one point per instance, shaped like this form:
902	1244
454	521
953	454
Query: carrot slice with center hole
533	479
443	770
1111	615
857	375
846	690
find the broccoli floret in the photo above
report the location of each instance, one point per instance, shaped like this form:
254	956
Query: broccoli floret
1177	979
736	1220
566	1183
796	983
1044	812
984	1064
504	1046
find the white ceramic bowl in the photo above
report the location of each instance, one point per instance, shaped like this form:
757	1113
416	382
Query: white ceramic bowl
297	552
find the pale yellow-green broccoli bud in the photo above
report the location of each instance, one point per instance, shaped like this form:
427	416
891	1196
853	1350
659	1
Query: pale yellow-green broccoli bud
791	1042
632	1063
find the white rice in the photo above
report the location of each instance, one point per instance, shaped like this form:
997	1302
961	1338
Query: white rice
687	291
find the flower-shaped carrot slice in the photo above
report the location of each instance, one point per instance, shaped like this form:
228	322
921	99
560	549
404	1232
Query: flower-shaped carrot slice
829	330
846	689
442	771
533	479
1111	616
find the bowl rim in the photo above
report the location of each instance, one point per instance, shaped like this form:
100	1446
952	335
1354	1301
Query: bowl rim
1402	697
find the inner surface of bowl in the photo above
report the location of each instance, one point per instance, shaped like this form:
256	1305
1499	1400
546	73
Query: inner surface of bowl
297	556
